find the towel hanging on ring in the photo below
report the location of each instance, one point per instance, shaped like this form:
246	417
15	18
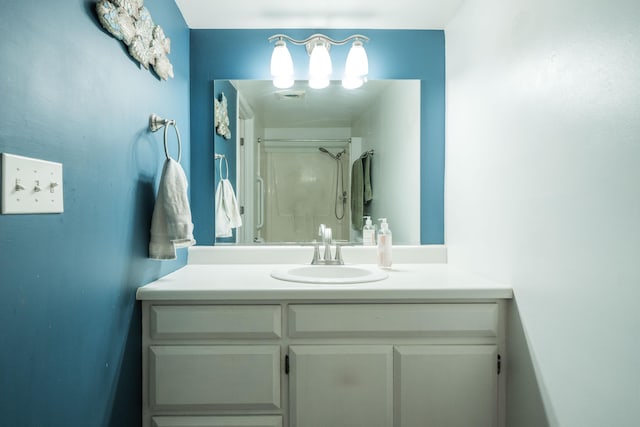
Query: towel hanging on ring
361	189
171	224
227	209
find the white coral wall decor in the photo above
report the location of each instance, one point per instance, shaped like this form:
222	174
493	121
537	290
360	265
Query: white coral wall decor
130	21
221	119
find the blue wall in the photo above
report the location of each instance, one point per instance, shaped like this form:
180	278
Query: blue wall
393	54
69	323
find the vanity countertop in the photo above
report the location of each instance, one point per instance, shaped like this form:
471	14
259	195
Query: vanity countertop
243	282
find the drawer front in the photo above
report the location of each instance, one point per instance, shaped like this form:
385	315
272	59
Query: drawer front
217	321
214	377
393	320
230	421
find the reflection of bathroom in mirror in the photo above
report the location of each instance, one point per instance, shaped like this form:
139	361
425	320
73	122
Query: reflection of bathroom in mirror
295	153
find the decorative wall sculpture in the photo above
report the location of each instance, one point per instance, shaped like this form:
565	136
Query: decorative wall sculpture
130	21
221	117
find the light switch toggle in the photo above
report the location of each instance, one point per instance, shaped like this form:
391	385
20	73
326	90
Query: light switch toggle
37	187
52	186
18	186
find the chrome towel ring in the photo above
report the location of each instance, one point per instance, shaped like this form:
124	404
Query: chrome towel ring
222	157
155	123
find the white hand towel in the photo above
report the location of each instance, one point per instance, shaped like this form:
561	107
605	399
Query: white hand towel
227	211
171	225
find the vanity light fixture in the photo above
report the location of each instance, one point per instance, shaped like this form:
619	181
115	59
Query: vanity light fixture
320	69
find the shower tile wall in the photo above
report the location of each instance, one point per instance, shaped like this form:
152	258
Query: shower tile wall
300	194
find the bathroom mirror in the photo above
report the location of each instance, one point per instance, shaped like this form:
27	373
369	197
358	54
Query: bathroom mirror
294	155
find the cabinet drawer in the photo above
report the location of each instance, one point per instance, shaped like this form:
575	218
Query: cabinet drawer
217	321
214	377
230	421
393	320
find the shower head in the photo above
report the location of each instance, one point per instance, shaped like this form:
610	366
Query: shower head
324	150
333	156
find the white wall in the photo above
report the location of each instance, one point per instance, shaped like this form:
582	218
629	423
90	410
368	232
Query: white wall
543	192
392	128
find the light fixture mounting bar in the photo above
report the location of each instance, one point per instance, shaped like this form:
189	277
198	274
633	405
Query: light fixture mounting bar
318	36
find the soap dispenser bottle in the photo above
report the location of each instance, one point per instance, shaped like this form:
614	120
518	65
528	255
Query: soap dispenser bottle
368	232
384	244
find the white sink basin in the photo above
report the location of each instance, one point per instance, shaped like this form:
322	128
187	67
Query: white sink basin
329	274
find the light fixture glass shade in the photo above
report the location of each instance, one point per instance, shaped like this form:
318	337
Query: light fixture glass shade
318	82
352	82
320	67
357	66
283	82
281	66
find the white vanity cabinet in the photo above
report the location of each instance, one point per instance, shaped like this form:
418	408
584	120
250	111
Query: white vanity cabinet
320	363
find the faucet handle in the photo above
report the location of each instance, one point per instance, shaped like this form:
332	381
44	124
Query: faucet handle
316	253
338	258
327	252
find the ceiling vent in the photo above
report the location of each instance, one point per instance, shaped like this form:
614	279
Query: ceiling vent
290	94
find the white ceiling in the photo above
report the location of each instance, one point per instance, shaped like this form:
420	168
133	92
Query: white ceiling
350	14
329	107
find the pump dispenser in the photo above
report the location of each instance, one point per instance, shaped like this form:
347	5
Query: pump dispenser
384	244
368	232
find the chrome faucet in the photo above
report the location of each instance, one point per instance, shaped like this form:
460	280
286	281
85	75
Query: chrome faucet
324	233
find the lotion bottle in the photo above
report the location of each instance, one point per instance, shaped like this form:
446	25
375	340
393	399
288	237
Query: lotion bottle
384	244
368	232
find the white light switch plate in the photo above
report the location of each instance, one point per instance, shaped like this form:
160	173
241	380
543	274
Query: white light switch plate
31	185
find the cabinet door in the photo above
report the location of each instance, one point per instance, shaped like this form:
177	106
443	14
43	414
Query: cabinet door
341	385
446	385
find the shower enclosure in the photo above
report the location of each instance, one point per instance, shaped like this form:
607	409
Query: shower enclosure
304	184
